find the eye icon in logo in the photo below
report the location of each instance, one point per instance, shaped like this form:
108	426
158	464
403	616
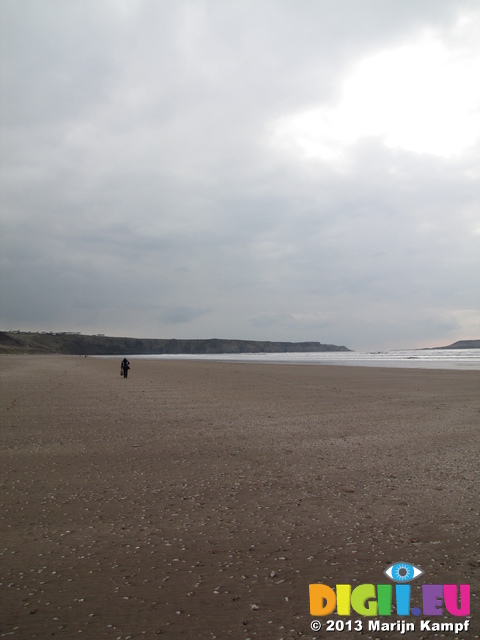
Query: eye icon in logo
402	572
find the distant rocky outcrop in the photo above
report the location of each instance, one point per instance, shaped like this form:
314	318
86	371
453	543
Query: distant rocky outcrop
100	345
463	344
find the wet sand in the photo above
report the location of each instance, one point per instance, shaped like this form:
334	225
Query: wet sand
199	500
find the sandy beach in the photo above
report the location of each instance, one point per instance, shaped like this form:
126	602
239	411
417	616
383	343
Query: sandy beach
200	499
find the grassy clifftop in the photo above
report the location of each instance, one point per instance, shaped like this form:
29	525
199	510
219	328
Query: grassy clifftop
77	344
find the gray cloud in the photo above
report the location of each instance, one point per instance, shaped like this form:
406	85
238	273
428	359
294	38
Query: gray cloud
144	192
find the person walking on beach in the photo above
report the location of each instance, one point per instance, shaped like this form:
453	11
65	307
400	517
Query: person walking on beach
124	367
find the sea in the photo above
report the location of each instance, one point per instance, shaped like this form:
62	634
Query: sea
464	359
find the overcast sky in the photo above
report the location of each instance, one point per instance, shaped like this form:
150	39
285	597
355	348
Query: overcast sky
256	169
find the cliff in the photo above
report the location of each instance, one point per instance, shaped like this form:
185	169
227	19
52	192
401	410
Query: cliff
77	344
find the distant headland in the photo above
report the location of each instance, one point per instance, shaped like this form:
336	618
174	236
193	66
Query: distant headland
66	343
462	344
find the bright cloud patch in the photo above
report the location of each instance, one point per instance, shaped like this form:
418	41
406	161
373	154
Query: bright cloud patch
423	97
